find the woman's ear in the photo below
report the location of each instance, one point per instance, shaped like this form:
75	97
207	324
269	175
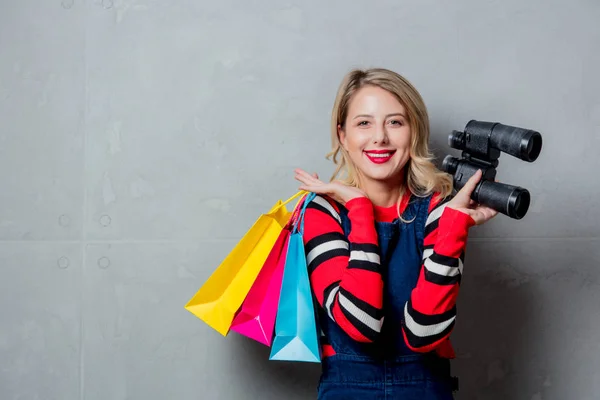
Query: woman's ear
341	136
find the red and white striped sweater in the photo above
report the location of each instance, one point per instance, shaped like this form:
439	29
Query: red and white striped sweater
346	279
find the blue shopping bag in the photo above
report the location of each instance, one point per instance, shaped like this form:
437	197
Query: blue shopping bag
296	331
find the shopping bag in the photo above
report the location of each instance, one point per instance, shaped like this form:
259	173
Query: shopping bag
220	297
296	331
256	317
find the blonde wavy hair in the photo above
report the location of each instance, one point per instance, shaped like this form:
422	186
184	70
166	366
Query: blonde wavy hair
422	177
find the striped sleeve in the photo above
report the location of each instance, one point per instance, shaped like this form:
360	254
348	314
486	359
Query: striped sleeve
345	271
430	312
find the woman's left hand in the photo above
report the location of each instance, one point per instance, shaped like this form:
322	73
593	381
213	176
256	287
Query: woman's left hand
462	202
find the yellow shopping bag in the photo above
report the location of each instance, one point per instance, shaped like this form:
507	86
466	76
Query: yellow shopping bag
219	299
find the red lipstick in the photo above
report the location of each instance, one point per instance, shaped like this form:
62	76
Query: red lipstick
379	156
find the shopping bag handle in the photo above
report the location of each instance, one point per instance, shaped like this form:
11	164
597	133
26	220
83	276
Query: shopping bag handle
307	199
296	211
300	193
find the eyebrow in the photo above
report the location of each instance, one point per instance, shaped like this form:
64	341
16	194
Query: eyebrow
387	116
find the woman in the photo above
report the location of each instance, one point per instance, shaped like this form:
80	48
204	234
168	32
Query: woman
385	247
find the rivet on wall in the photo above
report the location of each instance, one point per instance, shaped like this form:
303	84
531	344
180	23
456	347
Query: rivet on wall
63	263
105	220
104	262
64	220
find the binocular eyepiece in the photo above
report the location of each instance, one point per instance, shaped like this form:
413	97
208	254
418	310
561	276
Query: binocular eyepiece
481	144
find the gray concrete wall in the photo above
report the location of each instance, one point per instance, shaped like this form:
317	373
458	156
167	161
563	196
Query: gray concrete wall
140	139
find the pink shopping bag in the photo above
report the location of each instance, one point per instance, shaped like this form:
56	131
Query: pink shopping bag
256	317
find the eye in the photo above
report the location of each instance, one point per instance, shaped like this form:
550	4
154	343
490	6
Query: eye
396	122
363	123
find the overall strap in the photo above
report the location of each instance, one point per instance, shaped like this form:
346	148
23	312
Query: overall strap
422	212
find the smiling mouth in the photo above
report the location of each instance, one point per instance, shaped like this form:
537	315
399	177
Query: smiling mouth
379	156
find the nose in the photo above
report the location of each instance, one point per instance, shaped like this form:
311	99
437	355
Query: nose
380	134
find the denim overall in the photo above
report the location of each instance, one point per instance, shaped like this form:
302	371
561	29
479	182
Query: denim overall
387	368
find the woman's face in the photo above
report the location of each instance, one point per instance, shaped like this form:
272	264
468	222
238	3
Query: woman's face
377	135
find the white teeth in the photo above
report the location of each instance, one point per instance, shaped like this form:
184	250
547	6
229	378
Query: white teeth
385	155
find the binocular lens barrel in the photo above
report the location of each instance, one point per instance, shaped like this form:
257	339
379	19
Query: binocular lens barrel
510	200
531	146
524	144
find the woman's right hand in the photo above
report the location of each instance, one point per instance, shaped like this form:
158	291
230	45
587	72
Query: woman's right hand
338	191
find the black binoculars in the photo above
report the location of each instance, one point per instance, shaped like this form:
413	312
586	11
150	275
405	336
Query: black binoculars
481	144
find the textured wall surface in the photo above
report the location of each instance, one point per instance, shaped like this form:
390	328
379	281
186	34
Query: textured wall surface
139	139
